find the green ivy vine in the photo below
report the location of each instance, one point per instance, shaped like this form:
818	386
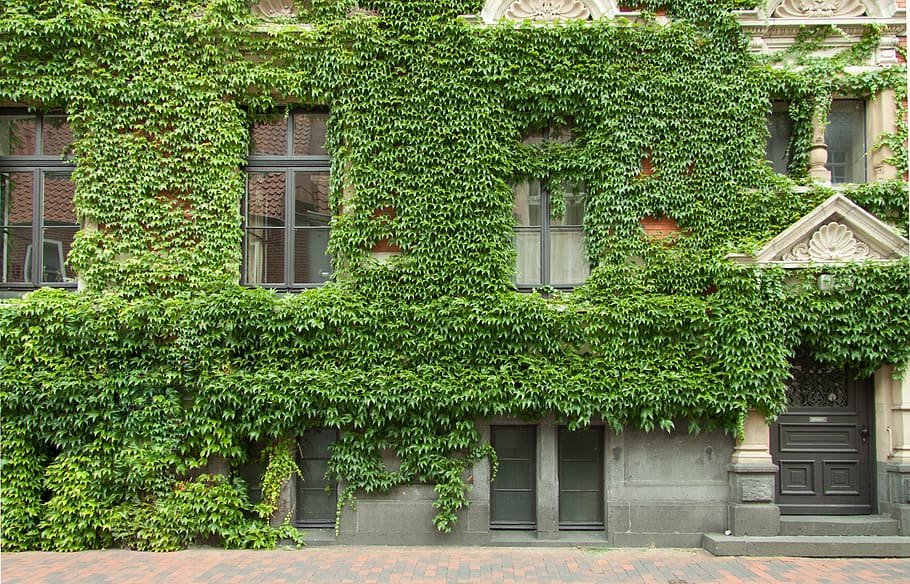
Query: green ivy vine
114	397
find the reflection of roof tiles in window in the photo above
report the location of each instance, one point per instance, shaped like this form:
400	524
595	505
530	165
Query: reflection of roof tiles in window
20	212
22	136
269	138
313	192
309	134
57	136
266	198
58	200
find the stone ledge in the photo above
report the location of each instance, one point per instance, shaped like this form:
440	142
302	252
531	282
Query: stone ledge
847	525
808	546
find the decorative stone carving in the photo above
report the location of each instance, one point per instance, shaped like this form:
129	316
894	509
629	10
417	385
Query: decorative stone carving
275	9
819	8
756	490
831	243
547	10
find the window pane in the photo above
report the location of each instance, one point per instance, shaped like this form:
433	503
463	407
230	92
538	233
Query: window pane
264	256
269	138
312	264
309	134
17	248
568	264
316	506
527	204
578	475
527	244
311	199
18	135
845	137
515	474
313	471
514	441
580	444
58	200
316	443
560	134
575	197
17	197
516	508
780	127
57	243
265	199
56	135
580	507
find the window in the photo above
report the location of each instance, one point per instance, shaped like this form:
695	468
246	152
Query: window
37	215
548	235
286	210
317	497
513	499
581	496
780	128
845	136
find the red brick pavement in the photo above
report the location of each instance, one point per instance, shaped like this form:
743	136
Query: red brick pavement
387	565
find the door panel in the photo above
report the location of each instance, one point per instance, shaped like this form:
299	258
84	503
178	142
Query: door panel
822	443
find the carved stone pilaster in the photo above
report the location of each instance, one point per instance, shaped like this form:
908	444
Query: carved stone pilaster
887	50
752	475
754	448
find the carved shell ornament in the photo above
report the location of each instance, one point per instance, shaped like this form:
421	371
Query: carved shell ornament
275	9
819	8
831	243
547	10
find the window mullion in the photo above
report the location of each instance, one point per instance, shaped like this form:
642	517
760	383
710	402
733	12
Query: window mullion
37	224
245	218
290	221
39	136
290	136
544	234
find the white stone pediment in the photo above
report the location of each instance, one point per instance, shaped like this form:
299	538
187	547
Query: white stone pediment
836	232
547	10
829	8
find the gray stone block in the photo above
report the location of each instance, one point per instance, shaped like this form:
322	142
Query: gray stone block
758	520
902	514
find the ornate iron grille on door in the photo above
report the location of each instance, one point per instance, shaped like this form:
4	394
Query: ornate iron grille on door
814	385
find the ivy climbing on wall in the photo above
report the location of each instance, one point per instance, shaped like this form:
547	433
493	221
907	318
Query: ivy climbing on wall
115	396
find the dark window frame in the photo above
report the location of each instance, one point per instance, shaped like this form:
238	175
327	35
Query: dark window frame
41	166
597	523
303	482
290	164
531	523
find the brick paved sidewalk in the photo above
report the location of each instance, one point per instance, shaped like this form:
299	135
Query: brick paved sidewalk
364	565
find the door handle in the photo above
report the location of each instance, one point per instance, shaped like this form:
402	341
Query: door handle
864	434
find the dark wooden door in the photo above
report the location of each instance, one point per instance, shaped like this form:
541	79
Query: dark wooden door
823	443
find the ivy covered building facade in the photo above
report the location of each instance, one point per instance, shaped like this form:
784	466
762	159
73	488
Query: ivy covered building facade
453	271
